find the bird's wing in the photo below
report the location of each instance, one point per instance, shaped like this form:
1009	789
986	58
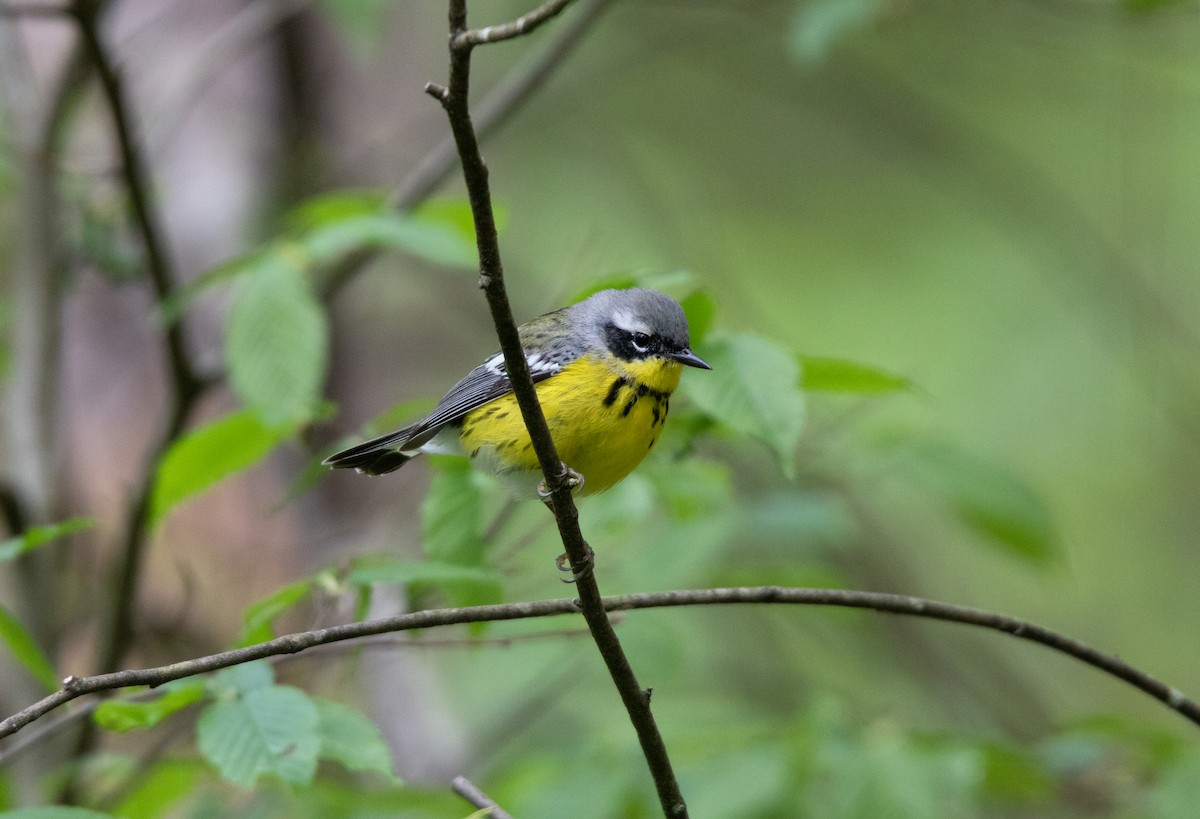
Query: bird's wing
484	384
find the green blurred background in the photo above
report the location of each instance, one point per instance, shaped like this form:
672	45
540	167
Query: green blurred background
997	201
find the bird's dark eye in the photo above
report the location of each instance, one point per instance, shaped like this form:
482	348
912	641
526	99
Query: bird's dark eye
640	341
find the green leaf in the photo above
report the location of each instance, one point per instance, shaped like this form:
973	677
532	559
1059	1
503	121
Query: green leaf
616	281
840	375
1015	774
989	499
456	214
820	25
153	793
352	740
37	536
752	389
1178	790
210	453
243	678
271	730
330	208
56	813
122	715
1148	6
400	414
393	570
675	283
700	309
276	342
181	298
259	617
26	650
452	514
428	239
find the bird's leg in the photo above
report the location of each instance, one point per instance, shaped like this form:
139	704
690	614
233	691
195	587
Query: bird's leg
577	572
574	483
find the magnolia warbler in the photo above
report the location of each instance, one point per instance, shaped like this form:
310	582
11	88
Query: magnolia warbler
604	368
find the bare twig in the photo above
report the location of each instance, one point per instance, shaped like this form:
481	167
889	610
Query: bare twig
74	687
505	98
454	98
493	110
506	31
185	386
390	642
468	791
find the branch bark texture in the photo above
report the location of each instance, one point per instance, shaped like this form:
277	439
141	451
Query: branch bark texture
74	687
185	387
454	98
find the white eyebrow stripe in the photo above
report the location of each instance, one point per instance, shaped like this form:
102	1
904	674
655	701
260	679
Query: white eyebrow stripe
629	322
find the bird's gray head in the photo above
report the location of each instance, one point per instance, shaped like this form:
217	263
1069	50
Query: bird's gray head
637	324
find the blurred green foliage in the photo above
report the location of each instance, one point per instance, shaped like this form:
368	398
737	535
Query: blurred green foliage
850	198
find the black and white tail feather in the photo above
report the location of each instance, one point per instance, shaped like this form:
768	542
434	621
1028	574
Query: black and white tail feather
482	385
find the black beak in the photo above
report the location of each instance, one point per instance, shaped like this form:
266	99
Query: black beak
690	359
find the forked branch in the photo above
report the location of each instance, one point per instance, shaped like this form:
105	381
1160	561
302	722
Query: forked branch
454	98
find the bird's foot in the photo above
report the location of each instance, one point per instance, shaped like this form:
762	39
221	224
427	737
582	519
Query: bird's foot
574	483
563	562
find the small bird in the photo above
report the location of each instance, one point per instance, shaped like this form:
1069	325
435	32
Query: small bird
604	371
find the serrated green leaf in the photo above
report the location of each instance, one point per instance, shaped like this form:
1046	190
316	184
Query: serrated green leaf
37	536
989	499
352	740
210	453
25	649
840	375
752	389
243	678
259	617
452	514
700	308
122	715
56	812
276	342
271	730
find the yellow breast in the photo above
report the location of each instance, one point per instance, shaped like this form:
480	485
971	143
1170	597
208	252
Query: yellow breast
604	416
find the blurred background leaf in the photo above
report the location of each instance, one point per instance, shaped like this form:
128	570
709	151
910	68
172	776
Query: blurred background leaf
850	198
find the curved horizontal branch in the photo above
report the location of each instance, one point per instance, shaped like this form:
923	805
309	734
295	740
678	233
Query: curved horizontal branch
74	687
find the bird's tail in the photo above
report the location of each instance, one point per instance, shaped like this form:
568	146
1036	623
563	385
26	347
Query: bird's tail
377	456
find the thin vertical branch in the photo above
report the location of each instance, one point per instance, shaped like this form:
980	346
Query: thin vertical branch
508	95
184	385
32	406
455	100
